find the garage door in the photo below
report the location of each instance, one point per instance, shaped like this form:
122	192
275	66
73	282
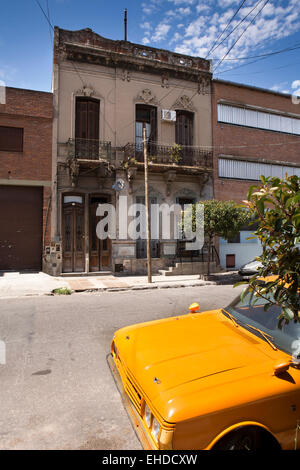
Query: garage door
20	228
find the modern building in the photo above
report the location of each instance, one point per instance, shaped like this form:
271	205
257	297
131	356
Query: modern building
255	132
105	93
25	178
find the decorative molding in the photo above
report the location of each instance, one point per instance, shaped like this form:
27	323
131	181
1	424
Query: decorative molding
203	179
204	85
165	81
74	172
184	102
126	75
184	192
170	177
147	97
86	91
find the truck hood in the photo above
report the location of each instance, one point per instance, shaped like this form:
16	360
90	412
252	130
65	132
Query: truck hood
185	355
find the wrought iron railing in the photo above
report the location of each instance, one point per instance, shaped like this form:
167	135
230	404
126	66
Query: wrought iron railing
89	149
170	154
196	255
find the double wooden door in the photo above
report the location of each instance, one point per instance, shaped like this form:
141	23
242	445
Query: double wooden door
75	234
73	238
99	249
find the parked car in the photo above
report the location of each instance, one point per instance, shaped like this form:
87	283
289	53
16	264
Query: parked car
221	379
249	269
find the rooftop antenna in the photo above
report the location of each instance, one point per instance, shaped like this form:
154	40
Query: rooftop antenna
125	24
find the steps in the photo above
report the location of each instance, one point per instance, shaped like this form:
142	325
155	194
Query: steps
187	267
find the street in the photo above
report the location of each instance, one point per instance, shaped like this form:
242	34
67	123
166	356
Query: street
56	388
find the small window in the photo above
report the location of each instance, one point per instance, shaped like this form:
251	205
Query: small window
11	139
72	199
236	239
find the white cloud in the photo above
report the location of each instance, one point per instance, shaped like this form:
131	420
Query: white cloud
161	32
182	2
146	25
295	84
281	19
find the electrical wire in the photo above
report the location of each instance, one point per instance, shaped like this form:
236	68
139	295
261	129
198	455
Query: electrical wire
225	29
240	22
250	63
235	42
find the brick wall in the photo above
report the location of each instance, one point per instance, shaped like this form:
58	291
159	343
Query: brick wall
32	111
247	142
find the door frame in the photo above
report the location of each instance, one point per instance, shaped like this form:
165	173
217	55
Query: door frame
108	198
84	230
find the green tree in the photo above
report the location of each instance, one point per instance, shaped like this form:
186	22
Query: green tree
221	218
275	204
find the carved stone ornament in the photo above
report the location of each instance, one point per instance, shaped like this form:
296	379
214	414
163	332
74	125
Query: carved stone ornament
147	97
165	81
203	179
183	102
170	177
86	91
74	172
126	76
203	85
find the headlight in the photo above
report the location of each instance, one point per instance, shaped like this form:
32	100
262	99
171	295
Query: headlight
155	428
147	416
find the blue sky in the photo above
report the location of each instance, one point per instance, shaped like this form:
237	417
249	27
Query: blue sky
187	26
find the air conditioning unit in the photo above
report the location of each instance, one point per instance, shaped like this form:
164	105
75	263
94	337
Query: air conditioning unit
168	115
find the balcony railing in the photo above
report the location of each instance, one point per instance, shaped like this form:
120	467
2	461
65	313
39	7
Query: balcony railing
89	149
170	154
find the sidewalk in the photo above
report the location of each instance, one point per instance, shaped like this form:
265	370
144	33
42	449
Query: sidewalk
30	284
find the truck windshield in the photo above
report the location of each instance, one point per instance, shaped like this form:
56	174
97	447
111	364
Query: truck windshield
247	312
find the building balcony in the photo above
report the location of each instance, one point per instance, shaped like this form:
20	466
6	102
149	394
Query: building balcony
179	156
89	150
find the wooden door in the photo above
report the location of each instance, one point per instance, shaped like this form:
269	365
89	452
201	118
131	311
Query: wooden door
21	228
87	128
100	250
73	238
184	128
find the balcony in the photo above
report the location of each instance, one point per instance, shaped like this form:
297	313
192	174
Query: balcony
89	150
169	155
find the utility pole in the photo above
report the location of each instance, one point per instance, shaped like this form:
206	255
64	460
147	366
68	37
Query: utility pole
147	206
125	24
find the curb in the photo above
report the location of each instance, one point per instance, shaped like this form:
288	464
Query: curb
144	287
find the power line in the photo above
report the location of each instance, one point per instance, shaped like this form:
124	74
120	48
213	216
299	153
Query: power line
225	29
235	42
48	16
267	54
254	61
45	14
264	71
248	14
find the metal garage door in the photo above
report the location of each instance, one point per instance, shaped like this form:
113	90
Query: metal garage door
20	228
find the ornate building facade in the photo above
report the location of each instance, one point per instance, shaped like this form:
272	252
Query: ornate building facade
105	93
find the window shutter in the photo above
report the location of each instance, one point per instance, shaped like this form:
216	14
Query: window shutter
11	139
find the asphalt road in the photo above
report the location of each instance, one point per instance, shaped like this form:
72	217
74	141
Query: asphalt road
56	389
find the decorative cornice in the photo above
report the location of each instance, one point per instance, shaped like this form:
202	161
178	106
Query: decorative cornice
86	91
184	102
146	96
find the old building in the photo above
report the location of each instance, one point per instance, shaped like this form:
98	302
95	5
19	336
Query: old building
105	92
25	177
255	132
